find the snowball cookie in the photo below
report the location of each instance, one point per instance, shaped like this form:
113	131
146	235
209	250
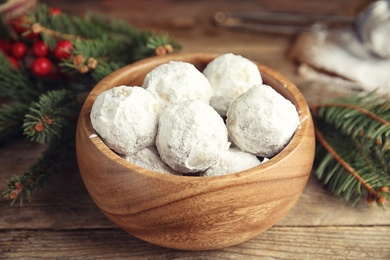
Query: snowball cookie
232	161
230	75
261	121
190	136
149	158
177	81
126	118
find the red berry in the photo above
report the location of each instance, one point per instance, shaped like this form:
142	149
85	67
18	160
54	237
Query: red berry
40	49
22	27
55	11
5	46
41	67
14	62
19	25
19	50
63	49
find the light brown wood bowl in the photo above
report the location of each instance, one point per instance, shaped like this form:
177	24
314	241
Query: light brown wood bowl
194	213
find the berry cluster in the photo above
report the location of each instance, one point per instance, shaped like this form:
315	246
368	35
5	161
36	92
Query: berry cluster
29	50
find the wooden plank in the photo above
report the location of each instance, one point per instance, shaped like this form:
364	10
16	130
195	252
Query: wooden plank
151	10
316	206
278	243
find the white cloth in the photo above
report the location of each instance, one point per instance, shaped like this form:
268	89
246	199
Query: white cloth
339	57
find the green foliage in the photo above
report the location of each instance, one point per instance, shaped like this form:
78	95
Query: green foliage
111	42
15	83
23	186
42	107
11	118
353	155
48	116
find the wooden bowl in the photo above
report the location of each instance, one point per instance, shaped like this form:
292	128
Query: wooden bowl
193	213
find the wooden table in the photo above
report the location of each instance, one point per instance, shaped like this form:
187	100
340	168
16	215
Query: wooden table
63	222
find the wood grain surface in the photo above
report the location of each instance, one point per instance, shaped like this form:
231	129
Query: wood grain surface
63	222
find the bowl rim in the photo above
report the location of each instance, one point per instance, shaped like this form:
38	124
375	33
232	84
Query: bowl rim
296	97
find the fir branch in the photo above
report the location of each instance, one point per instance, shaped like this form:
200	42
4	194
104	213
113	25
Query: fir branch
104	68
365	118
155	44
23	186
47	117
38	28
94	56
41	105
353	153
352	174
61	26
15	83
102	47
11	117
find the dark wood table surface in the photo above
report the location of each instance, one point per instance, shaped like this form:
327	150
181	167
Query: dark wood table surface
63	222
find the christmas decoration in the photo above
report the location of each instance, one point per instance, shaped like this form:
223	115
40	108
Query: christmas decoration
40	49
48	59
63	49
19	50
353	154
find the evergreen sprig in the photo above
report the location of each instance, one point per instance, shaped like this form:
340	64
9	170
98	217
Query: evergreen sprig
15	83
44	108
96	40
353	155
11	119
48	116
22	187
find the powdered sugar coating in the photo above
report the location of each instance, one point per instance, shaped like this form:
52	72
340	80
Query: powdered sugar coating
177	81
149	158
232	161
126	118
261	121
191	135
230	75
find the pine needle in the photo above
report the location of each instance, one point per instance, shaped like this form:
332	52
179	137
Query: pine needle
11	117
14	83
353	155
22	187
47	117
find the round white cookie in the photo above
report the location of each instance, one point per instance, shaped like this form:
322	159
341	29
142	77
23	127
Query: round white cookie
232	161
177	81
230	75
191	136
126	118
149	158
261	121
